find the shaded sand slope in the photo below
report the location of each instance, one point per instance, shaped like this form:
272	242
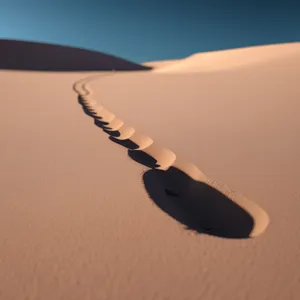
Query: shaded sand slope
23	55
227	59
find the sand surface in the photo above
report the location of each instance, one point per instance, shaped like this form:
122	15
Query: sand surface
161	63
79	217
224	60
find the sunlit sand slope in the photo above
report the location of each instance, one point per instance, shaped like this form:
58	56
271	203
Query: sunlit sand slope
227	59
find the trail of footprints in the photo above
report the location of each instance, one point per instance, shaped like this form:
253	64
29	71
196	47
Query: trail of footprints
165	158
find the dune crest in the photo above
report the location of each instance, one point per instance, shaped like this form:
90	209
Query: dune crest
160	63
225	59
233	215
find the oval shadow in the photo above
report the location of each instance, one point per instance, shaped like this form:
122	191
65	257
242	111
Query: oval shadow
196	205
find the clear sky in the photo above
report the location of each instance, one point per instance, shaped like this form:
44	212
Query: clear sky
141	30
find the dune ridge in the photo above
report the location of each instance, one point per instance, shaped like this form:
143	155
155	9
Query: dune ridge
145	151
223	60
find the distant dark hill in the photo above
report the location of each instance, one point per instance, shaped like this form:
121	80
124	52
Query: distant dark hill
23	55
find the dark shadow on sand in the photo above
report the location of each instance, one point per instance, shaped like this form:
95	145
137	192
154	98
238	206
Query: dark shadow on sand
196	205
112	133
129	144
35	56
143	158
100	124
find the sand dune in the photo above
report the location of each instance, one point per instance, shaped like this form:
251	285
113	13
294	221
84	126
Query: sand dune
227	59
160	63
23	55
92	182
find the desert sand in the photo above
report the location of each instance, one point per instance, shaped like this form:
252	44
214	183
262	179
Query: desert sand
160	63
179	182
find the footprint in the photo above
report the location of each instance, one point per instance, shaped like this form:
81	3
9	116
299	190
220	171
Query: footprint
123	133
86	99
95	111
77	87
189	169
143	158
260	217
84	102
114	125
105	115
143	141
196	205
90	104
137	141
100	123
129	144
164	157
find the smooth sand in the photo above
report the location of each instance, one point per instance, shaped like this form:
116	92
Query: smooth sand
224	60
82	217
160	63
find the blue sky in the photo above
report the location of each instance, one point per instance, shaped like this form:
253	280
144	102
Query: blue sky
151	30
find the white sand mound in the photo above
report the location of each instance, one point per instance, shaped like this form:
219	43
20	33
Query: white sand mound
227	59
